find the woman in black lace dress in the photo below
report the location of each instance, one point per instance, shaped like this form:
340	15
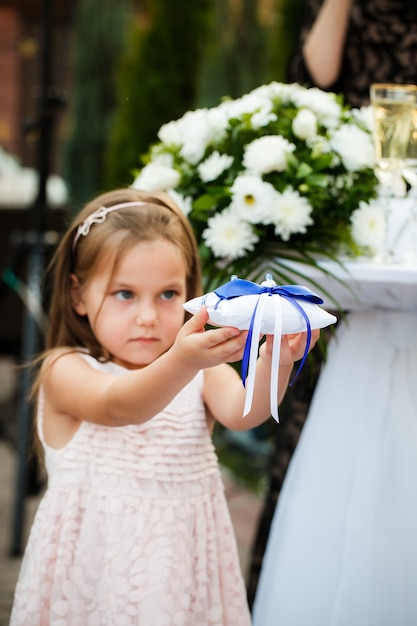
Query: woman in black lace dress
343	46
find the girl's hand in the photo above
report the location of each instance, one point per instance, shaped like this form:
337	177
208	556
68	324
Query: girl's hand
199	348
292	346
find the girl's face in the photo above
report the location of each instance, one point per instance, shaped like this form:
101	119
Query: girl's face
137	315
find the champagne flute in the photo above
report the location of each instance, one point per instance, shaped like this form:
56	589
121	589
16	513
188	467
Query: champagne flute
393	107
410	175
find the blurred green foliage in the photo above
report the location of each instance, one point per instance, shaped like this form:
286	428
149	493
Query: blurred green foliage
235	55
157	79
283	37
97	43
137	65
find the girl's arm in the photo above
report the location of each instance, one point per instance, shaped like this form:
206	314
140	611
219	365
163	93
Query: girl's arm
74	390
224	393
324	45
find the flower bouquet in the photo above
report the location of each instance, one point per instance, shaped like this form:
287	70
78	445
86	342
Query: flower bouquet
283	172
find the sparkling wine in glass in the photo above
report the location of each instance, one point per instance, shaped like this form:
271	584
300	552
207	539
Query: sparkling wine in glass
393	107
410	175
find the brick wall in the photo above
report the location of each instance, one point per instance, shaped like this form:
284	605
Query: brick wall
21	47
9	83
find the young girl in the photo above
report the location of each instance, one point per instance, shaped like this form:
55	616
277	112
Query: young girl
134	527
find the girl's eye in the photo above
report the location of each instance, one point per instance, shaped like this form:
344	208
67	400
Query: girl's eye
124	294
169	294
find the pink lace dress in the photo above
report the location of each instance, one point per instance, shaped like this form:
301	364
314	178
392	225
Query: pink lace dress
133	528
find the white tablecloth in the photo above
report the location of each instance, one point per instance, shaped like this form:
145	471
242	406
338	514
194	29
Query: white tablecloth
342	549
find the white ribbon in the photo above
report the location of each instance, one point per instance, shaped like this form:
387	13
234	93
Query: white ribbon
253	355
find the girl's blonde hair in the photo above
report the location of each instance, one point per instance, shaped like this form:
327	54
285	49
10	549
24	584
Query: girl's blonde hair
155	216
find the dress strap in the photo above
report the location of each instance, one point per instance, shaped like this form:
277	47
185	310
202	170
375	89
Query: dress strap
39	414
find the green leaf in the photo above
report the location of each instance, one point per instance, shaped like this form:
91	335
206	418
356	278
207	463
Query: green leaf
322	162
304	170
318	180
204	202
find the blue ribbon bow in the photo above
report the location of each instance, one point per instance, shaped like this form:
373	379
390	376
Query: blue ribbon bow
293	293
240	287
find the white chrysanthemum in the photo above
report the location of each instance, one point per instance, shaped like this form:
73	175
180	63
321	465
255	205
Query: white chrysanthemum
194	135
155	176
185	203
355	147
252	198
159	155
266	92
365	116
318	146
247	104
214	166
228	236
170	134
393	183
278	91
304	124
199	129
263	117
194	132
291	214
323	104
369	226
267	154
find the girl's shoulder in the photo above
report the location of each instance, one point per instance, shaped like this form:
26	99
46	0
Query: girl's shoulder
79	354
75	368
62	359
70	389
103	366
51	356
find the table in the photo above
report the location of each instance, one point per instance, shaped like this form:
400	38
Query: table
342	549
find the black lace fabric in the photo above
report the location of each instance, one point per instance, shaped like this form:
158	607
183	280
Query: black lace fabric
381	46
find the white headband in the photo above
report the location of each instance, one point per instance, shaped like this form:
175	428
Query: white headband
100	216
